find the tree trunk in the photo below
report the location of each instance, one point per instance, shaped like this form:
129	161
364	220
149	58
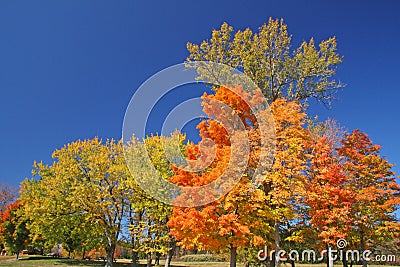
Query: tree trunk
83	252
277	247
344	259
157	259
134	220
233	257
17	255
149	260
271	260
135	259
170	254
168	259
362	246
292	263
110	257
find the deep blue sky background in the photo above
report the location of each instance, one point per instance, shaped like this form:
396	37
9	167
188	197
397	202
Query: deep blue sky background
69	68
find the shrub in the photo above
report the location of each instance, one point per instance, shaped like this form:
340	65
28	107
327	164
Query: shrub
203	257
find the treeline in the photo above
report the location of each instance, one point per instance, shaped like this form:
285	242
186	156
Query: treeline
322	183
315	193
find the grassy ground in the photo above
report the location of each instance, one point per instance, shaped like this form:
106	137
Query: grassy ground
50	262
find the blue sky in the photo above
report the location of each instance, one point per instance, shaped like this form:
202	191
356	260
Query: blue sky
69	68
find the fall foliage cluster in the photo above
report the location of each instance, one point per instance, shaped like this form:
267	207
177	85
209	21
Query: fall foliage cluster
322	184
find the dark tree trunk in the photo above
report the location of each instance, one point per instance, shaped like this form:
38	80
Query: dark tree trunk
362	246
110	257
17	255
168	259
157	259
292	263
135	254
170	254
135	259
272	260
277	246
344	259
233	257
149	260
83	252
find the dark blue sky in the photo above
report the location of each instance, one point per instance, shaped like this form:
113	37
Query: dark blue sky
69	68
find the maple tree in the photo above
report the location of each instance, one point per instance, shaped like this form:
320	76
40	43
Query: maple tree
328	196
239	218
285	183
376	192
351	192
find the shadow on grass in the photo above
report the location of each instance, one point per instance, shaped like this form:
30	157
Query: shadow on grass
73	262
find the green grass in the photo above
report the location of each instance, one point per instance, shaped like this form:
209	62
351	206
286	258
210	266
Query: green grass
51	262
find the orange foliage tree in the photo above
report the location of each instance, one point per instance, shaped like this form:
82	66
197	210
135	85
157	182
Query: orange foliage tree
328	196
243	218
371	178
239	218
352	193
284	185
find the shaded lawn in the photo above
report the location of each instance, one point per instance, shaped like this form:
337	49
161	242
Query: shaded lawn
33	261
51	262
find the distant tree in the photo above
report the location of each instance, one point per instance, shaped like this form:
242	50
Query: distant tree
7	195
330	130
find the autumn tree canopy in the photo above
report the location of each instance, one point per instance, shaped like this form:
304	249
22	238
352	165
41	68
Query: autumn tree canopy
269	59
13	228
82	196
317	184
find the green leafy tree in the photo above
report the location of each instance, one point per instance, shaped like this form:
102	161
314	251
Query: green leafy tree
84	194
13	229
267	57
47	206
149	216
